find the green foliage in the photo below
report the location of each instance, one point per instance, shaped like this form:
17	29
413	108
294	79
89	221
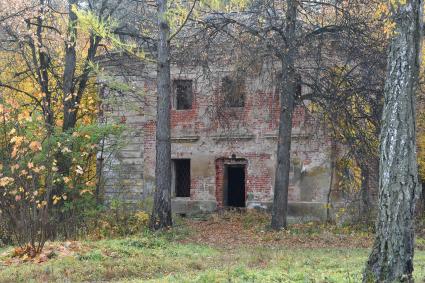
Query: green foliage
36	194
421	142
95	255
89	22
115	220
226	5
420	244
145	242
349	175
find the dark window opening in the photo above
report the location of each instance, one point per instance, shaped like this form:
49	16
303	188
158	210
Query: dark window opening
233	92
181	177
183	94
235	189
298	86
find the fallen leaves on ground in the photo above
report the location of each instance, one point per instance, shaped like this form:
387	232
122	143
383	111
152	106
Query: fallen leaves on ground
232	232
51	250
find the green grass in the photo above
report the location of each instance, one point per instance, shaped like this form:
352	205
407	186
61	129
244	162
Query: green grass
290	265
161	259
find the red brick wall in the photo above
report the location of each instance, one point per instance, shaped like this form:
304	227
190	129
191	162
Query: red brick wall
260	116
219	179
257	179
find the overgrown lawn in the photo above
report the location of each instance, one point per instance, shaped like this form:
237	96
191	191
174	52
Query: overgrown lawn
187	254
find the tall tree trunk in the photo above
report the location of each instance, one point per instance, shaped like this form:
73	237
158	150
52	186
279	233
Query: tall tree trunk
73	90
64	162
288	89
391	259
161	214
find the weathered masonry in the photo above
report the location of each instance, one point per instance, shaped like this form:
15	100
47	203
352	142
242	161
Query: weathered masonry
224	134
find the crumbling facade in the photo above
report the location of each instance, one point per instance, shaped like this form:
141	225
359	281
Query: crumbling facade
224	141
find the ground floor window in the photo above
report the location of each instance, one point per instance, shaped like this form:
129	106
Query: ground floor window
181	177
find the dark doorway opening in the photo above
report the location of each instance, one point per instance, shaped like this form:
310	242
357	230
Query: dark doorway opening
181	177
235	189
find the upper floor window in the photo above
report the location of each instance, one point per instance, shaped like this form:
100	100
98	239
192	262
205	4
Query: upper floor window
233	92
182	94
298	86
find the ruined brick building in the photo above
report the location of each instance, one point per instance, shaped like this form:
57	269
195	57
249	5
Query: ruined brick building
224	140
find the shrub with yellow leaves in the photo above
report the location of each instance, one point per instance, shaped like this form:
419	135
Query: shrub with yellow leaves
35	195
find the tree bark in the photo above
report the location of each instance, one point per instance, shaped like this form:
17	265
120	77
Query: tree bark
288	89
64	162
70	55
391	259
73	87
161	214
71	106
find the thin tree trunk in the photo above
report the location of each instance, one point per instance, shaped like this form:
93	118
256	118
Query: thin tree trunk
422	203
161	214
43	72
331	181
365	205
288	89
391	259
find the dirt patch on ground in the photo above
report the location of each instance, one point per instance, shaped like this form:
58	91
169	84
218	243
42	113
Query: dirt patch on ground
233	233
51	250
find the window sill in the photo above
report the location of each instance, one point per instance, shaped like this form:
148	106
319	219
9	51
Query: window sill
182	110
234	108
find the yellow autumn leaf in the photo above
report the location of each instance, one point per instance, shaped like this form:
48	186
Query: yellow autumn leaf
17	140
82	192
6	181
79	170
38	169
24	116
35	146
